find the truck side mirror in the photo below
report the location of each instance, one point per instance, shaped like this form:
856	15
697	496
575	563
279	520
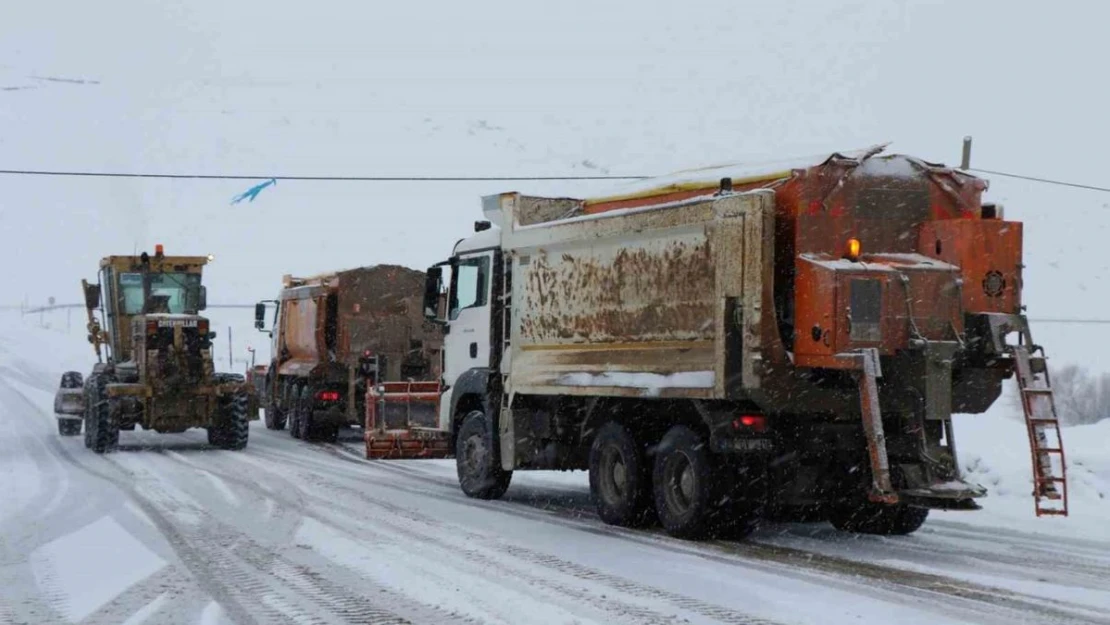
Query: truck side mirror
260	316
433	284
202	302
92	295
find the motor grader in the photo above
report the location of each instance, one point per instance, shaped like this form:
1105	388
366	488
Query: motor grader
154	355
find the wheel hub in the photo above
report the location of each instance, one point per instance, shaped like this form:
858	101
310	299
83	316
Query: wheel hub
680	483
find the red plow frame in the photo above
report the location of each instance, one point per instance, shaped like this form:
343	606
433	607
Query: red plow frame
413	440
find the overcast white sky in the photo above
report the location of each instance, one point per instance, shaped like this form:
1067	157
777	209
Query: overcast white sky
517	88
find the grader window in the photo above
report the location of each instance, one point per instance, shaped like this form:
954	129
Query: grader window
131	290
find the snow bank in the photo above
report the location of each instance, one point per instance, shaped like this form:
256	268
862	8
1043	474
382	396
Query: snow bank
652	382
994	451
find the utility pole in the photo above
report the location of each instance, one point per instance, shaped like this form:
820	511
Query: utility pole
230	365
965	162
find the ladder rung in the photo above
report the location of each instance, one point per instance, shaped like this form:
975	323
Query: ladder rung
1042	420
1050	479
1037	391
1050	450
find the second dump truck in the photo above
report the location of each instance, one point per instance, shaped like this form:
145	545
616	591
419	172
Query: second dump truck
738	343
340	336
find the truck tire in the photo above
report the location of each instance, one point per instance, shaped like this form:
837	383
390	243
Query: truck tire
685	484
233	428
873	518
620	478
69	427
296	411
274	417
477	459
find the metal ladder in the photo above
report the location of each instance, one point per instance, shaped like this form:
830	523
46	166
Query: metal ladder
1050	484
506	333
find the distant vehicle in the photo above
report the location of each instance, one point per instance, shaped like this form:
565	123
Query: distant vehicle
733	342
69	403
158	371
341	337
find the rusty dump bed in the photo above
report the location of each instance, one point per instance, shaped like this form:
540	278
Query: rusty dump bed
337	317
637	302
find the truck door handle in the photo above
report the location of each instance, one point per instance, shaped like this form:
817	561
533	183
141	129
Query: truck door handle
473	350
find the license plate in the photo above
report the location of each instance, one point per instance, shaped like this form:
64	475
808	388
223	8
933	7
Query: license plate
752	444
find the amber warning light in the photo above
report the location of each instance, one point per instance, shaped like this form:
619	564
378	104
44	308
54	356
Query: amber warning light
158	249
852	249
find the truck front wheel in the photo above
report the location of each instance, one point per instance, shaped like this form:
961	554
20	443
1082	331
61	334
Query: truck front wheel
684	483
620	478
477	460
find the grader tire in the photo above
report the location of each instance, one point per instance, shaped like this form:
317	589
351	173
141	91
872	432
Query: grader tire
233	429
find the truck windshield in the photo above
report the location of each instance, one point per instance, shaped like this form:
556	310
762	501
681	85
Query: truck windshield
182	289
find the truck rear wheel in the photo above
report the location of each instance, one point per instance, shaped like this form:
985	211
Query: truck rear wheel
873	518
273	416
685	484
620	478
477	459
296	408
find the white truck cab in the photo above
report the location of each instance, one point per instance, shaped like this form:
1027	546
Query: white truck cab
469	319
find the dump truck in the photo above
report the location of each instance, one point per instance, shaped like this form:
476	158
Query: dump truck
339	335
729	345
154	356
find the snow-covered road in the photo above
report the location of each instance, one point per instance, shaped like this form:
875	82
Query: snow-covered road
168	530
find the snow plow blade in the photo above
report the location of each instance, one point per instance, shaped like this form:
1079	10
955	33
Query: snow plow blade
400	444
401	420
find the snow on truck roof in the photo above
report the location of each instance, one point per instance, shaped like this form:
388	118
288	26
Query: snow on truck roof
740	173
677	189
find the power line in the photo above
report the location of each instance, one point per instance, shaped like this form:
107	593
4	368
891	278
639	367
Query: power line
106	174
1043	180
114	174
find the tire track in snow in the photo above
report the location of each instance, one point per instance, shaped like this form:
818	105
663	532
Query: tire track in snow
483	564
202	570
481	558
341	600
924	586
254	571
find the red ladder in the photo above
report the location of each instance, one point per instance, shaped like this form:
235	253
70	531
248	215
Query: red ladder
1050	484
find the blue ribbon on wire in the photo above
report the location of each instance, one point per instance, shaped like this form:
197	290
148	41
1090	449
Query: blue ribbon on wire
253	192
